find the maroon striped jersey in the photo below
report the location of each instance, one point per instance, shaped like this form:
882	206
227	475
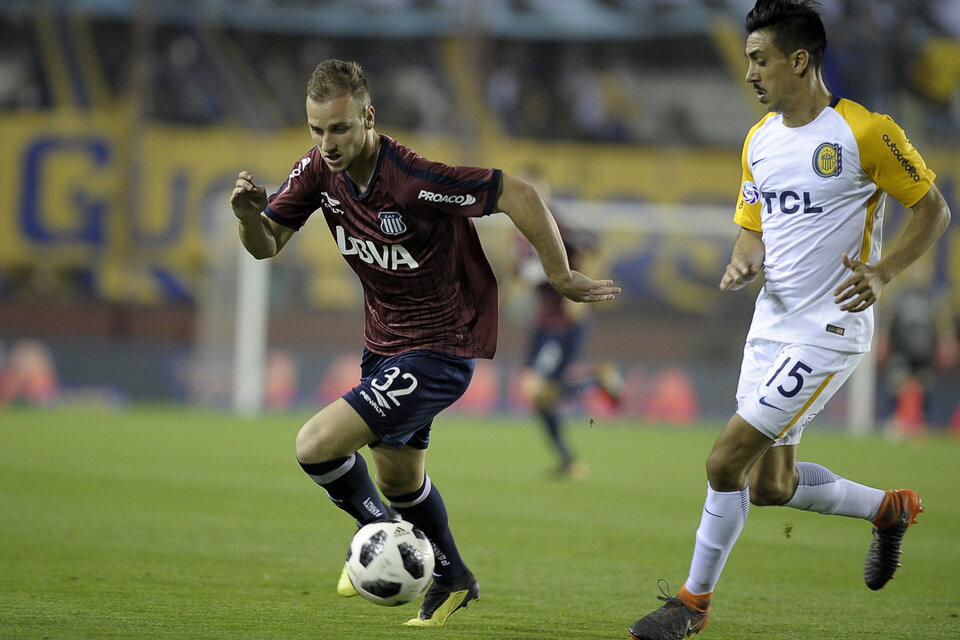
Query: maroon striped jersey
552	310
426	281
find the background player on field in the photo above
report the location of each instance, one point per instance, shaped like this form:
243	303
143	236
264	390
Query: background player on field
558	332
403	224
816	172
917	339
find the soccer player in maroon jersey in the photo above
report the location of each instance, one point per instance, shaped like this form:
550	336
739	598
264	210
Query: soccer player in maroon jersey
403	224
558	332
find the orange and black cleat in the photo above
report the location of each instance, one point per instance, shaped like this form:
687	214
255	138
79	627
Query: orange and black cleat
897	512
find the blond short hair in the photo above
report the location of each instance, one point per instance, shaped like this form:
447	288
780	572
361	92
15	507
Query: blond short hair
334	78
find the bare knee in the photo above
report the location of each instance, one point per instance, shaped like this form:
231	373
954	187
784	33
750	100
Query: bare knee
771	490
310	444
399	472
735	455
335	432
723	473
317	442
398	482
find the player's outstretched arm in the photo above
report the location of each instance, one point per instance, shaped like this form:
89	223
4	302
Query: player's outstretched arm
260	236
863	286
521	202
746	260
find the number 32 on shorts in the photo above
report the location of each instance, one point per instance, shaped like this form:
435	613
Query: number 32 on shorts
388	392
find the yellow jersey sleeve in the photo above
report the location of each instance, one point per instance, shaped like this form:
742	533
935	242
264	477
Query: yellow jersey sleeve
749	208
886	155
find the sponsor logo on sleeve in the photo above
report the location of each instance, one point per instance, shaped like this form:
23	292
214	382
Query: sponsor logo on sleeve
297	170
904	162
462	199
751	194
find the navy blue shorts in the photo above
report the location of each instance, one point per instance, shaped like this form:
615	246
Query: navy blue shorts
552	351
399	396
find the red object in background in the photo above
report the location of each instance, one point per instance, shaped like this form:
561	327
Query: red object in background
29	375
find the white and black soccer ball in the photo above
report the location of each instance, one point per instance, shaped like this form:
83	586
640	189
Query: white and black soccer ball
390	563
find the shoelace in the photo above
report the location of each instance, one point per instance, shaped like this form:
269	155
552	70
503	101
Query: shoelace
665	592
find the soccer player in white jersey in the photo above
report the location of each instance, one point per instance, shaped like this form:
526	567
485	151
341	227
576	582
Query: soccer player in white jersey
816	172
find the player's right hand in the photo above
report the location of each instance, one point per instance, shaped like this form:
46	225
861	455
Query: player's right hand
581	288
737	274
247	199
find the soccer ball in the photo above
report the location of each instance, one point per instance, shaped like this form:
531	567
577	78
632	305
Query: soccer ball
390	563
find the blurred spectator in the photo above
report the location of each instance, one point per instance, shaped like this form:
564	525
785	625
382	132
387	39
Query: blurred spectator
182	91
418	99
503	95
28	375
20	89
946	14
918	340
282	380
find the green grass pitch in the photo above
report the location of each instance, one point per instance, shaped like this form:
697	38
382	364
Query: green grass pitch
175	523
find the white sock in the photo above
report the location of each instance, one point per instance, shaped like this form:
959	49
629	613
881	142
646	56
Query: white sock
821	490
723	516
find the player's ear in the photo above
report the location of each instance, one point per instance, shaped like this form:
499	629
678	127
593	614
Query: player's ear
369	116
801	60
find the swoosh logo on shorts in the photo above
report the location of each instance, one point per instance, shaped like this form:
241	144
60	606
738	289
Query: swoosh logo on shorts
763	401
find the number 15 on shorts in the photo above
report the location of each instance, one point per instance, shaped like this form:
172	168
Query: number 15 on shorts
784	386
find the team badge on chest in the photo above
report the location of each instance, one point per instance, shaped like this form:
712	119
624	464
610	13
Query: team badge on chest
828	160
391	223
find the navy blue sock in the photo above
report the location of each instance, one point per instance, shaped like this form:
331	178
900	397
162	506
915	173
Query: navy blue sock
575	388
551	421
425	509
349	486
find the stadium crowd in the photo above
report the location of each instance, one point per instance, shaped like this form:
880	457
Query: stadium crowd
566	87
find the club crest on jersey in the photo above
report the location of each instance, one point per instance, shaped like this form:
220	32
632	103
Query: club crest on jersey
828	160
391	223
751	194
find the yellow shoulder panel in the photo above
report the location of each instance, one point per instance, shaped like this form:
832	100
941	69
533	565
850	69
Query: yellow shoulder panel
886	155
749	208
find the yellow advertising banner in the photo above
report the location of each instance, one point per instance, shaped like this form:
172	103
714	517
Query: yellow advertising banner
140	209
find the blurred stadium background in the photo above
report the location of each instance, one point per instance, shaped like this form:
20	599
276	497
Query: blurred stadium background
124	124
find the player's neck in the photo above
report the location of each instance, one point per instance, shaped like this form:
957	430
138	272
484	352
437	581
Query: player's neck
809	105
362	170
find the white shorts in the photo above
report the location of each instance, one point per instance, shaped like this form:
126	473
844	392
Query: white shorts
784	386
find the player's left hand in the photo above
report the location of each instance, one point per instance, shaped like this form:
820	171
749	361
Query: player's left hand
581	288
861	289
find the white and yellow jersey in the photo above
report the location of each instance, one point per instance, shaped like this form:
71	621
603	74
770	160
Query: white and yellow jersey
816	192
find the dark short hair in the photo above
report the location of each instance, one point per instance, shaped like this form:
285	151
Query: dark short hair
795	24
334	78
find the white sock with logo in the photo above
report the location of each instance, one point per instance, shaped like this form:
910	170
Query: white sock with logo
724	514
821	490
